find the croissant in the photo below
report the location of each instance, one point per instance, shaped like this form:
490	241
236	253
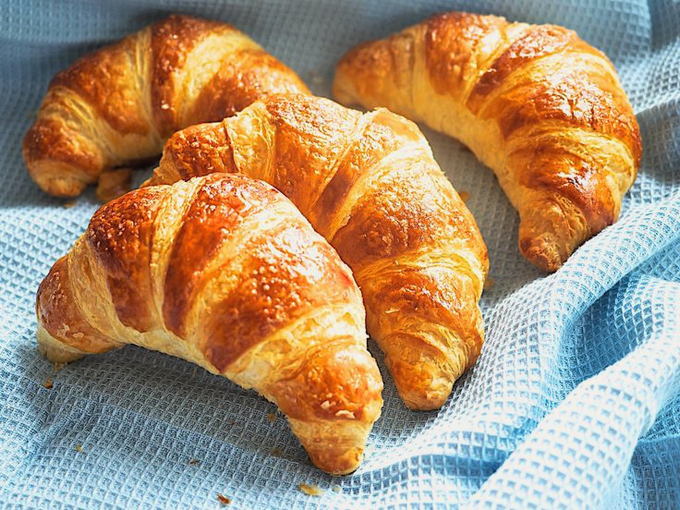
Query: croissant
118	105
369	184
538	105
223	271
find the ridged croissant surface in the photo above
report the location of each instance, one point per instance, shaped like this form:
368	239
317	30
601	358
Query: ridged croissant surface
538	105
223	271
369	184
118	105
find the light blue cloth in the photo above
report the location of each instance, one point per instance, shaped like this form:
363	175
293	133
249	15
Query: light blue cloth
574	403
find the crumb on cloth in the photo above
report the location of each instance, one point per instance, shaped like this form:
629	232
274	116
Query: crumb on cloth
78	448
113	184
48	383
193	462
271	417
464	195
310	490
223	499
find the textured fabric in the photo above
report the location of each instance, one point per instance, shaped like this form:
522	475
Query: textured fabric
574	403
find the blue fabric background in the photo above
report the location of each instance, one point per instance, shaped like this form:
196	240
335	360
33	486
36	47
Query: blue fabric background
574	403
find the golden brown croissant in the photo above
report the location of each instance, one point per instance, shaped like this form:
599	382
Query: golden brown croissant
118	105
538	105
369	184
223	271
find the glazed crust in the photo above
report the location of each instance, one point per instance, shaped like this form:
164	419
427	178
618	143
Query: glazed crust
541	107
118	105
369	184
223	271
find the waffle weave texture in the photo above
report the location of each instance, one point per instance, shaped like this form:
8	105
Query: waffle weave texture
574	403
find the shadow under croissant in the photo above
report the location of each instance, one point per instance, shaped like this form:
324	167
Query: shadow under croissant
93	432
183	394
177	393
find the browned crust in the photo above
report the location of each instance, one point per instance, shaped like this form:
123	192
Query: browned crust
487	56
63	160
248	75
371	66
311	135
51	140
409	209
590	100
452	45
572	176
120	235
289	272
431	297
58	313
104	79
438	296
538	41
575	100
200	150
171	41
218	208
281	272
338	381
401	215
375	143
113	184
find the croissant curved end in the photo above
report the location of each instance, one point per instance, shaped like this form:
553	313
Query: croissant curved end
549	238
430	399
542	251
54	350
330	450
57	179
422	387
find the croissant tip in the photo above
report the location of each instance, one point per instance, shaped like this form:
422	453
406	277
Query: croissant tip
334	464
59	186
54	350
425	396
425	404
542	253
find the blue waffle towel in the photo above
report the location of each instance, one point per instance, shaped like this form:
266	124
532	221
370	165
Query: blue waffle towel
574	403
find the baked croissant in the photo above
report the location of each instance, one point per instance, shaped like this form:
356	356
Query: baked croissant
118	105
369	184
538	105
223	271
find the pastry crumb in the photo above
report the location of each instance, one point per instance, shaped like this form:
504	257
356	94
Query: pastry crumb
310	490
48	383
277	452
489	283
336	488
69	204
193	462
223	499
78	448
271	417
113	184
464	195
